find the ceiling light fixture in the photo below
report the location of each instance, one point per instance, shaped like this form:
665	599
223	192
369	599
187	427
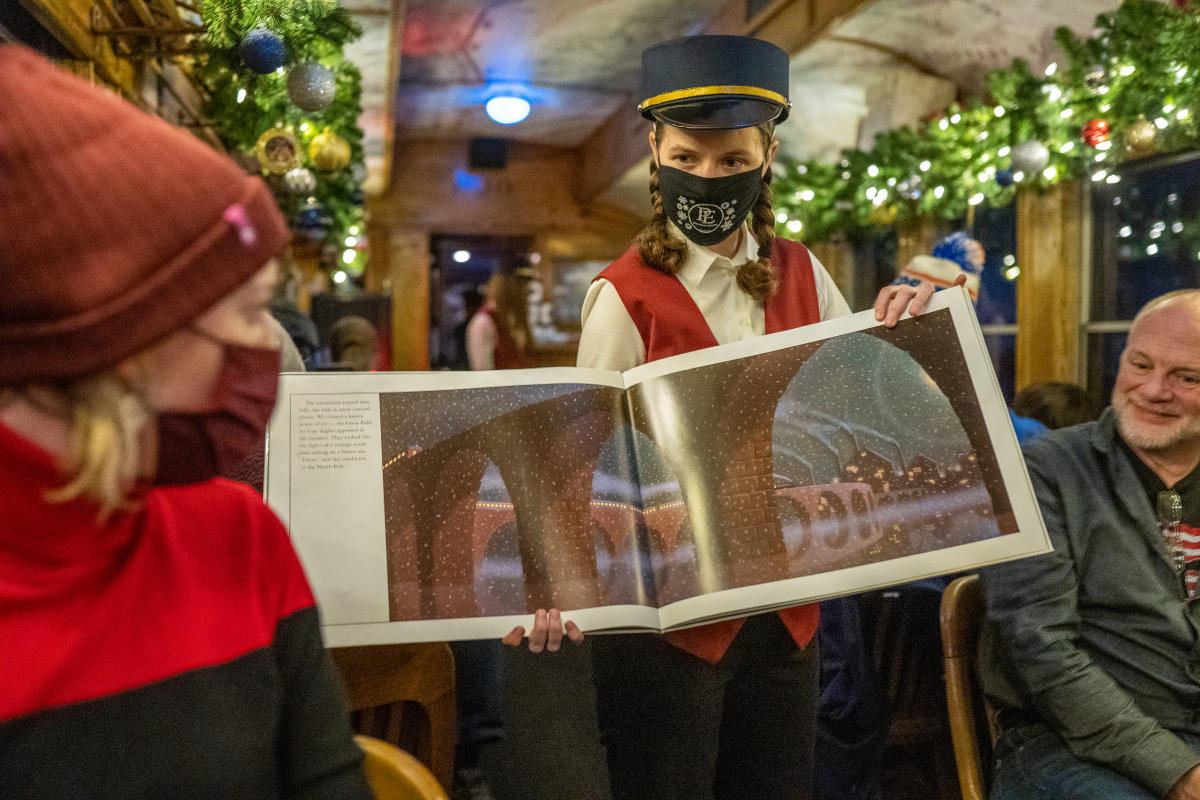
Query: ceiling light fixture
507	109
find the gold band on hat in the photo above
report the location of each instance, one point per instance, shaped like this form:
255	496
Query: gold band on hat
706	91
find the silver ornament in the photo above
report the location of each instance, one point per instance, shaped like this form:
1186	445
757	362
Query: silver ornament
310	86
300	181
1095	78
1030	157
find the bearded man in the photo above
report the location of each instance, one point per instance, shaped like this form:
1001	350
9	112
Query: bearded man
1092	653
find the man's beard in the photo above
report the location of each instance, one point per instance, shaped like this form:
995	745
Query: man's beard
1154	437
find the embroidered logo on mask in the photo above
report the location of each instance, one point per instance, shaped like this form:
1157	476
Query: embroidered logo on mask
691	215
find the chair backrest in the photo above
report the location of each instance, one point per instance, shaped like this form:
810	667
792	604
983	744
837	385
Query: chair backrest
971	731
404	694
393	774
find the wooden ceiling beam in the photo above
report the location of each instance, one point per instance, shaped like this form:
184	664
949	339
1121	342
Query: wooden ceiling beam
620	143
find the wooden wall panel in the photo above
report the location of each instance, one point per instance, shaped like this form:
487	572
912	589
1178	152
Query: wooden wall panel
1049	253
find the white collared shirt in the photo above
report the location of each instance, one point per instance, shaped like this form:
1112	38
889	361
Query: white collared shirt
611	340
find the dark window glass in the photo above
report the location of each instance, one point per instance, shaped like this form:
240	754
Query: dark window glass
996	230
1003	350
1104	358
1146	230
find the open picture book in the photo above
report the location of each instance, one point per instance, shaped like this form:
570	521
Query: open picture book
826	460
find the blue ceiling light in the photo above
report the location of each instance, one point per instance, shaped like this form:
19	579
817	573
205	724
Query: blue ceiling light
507	109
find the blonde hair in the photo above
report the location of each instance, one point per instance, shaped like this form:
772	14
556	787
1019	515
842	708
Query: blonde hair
660	250
509	293
103	456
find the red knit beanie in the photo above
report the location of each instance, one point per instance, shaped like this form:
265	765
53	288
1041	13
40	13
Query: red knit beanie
115	228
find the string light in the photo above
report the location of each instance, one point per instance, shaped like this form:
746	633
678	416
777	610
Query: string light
1051	68
999	111
873	171
1160	123
924	166
1128	70
939	192
975	199
1004	151
781	217
1050	173
795	226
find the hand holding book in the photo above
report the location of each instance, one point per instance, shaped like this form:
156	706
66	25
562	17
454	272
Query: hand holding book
547	633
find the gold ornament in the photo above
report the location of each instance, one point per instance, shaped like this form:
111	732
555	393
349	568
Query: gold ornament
278	151
1140	138
328	151
883	215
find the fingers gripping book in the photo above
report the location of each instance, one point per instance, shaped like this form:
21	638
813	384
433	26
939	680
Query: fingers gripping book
826	460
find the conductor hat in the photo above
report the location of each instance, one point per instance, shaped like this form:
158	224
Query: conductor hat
714	82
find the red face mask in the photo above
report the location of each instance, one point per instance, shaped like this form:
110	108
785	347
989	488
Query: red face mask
193	447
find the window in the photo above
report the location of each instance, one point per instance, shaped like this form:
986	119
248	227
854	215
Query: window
1145	241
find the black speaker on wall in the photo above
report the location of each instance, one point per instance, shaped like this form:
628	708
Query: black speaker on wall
487	152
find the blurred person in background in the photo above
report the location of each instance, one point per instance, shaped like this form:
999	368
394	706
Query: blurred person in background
1055	404
352	344
498	336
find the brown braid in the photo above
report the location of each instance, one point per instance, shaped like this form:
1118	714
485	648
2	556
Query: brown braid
656	246
758	278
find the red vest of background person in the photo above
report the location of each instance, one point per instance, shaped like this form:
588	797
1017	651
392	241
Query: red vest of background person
508	354
670	323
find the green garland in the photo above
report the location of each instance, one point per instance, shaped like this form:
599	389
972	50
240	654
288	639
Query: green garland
243	104
1140	73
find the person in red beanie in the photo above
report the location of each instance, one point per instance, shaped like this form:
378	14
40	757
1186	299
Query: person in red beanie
158	638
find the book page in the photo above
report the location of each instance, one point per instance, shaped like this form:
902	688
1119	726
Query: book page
452	505
828	460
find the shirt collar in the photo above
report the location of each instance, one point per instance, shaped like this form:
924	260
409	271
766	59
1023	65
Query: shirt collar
700	259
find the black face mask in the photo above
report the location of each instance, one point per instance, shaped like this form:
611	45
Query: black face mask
708	210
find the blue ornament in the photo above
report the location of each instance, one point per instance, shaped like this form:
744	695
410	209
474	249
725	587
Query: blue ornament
1004	177
313	221
262	51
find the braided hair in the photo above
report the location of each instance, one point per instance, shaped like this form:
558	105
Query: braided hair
660	250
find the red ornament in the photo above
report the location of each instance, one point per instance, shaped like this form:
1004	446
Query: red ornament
1095	132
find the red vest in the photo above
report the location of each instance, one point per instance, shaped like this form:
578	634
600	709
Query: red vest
670	323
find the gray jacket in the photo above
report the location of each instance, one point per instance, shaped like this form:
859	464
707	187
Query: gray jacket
1096	638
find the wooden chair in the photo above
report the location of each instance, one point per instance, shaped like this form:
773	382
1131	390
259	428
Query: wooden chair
971	727
404	695
393	774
